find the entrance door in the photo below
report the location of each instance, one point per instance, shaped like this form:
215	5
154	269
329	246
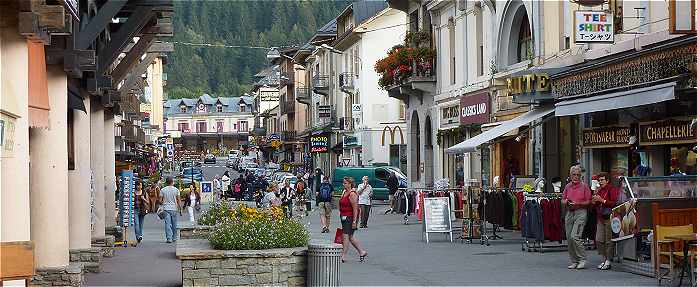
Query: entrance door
512	160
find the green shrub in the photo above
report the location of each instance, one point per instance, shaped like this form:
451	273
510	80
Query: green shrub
218	211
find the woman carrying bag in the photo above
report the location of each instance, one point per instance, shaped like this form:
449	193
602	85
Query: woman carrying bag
348	210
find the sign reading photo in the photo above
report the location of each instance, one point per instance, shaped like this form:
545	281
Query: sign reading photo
475	109
319	143
594	27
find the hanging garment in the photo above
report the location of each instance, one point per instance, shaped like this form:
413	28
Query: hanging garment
514	207
507	219
532	221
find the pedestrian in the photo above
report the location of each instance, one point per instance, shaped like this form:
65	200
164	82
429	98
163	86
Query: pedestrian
192	201
392	186
300	195
225	183
604	200
324	203
171	204
270	199
318	177
217	184
142	206
287	194
365	193
577	198
348	210
262	185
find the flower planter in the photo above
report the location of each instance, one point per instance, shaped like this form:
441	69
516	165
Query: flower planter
188	230
202	265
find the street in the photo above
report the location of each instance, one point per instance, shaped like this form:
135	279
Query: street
397	256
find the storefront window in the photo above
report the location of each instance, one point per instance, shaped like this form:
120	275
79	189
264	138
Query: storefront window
619	163
683	160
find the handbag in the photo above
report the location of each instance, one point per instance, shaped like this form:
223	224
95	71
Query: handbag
161	212
338	236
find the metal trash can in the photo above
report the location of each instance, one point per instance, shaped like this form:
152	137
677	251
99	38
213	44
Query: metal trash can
323	264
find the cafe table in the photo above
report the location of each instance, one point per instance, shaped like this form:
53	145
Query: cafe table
686	239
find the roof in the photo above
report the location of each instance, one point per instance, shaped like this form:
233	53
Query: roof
268	77
328	29
363	10
229	104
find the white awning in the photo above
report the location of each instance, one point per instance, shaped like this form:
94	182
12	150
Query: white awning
471	144
618	100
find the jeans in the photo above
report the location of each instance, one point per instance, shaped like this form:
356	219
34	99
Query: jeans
574	222
364	210
138	224
171	225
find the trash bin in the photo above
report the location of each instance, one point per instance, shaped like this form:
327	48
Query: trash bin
323	264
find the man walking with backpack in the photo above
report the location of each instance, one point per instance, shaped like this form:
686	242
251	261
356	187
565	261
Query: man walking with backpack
324	201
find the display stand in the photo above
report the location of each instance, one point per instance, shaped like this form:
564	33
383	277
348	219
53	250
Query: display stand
437	217
472	223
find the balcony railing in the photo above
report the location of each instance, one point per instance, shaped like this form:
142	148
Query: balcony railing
303	95
128	131
320	85
287	107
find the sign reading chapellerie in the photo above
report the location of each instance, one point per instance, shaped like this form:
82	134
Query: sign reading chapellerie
319	143
611	136
666	132
475	109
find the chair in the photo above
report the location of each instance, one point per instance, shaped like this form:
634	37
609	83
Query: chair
674	249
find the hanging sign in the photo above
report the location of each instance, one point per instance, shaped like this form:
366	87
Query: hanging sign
319	144
594	27
671	131
356	111
437	216
324	111
126	216
474	109
604	137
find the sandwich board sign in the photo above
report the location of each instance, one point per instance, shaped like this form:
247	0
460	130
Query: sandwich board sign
437	216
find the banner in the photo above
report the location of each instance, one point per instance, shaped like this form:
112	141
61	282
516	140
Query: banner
126	187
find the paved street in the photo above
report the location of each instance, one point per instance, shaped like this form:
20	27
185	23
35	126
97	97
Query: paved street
397	256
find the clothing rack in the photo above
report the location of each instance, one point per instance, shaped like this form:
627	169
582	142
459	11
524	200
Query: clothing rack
537	245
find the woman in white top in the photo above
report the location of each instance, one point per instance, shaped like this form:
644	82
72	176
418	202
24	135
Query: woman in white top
365	193
225	184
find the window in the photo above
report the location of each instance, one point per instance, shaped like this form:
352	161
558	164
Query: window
184	127
402	111
201	127
234	126
382	174
71	140
414	21
219	108
182	108
451	40
243	108
243	126
219	126
479	39
357	62
524	40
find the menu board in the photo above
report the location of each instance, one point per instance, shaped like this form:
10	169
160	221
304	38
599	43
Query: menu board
437	216
126	186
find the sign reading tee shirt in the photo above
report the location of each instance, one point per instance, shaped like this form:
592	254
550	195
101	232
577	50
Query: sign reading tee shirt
594	27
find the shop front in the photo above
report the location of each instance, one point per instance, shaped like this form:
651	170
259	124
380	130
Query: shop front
636	118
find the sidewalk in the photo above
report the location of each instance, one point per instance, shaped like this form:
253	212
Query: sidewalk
151	263
398	256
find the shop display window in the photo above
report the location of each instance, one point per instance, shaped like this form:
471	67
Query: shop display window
660	187
683	161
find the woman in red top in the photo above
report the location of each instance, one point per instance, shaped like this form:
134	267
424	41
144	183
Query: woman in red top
348	210
604	200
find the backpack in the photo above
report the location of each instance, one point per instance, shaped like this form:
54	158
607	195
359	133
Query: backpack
325	192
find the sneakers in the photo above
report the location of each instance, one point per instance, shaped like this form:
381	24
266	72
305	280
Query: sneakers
604	266
572	266
581	265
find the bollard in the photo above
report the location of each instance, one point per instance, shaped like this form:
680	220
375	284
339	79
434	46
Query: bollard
323	264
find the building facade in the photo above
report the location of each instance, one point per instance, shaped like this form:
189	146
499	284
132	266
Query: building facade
209	124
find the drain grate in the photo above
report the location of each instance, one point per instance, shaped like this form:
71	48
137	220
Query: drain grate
490	253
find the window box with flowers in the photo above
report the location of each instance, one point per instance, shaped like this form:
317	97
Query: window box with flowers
415	58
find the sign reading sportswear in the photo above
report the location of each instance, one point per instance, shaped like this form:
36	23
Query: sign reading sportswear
602	137
594	27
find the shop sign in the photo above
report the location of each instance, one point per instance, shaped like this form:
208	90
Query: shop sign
126	198
356	111
350	141
324	111
603	137
319	143
437	216
594	27
475	109
7	135
671	131
528	84
624	220
449	114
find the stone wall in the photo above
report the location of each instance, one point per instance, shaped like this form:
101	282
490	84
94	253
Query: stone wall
204	266
106	244
71	275
90	258
193	231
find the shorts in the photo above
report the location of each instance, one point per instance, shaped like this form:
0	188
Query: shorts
347	225
325	209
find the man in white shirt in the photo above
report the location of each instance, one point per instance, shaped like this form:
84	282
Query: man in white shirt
365	193
169	197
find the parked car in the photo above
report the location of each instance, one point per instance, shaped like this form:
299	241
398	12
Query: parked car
192	172
248	165
259	172
210	158
377	177
234	153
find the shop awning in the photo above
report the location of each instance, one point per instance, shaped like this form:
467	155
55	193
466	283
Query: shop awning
471	144
617	100
38	86
75	102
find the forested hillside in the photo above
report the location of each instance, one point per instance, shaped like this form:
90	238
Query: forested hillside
193	70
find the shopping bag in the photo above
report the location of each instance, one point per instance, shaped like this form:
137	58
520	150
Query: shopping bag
338	236
161	212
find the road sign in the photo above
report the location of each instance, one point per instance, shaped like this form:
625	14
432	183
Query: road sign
206	186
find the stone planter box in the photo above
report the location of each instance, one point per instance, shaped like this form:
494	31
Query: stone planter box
204	266
188	230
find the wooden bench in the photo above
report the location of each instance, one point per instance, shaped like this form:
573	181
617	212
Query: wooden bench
16	261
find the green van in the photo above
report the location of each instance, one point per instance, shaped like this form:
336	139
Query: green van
377	177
